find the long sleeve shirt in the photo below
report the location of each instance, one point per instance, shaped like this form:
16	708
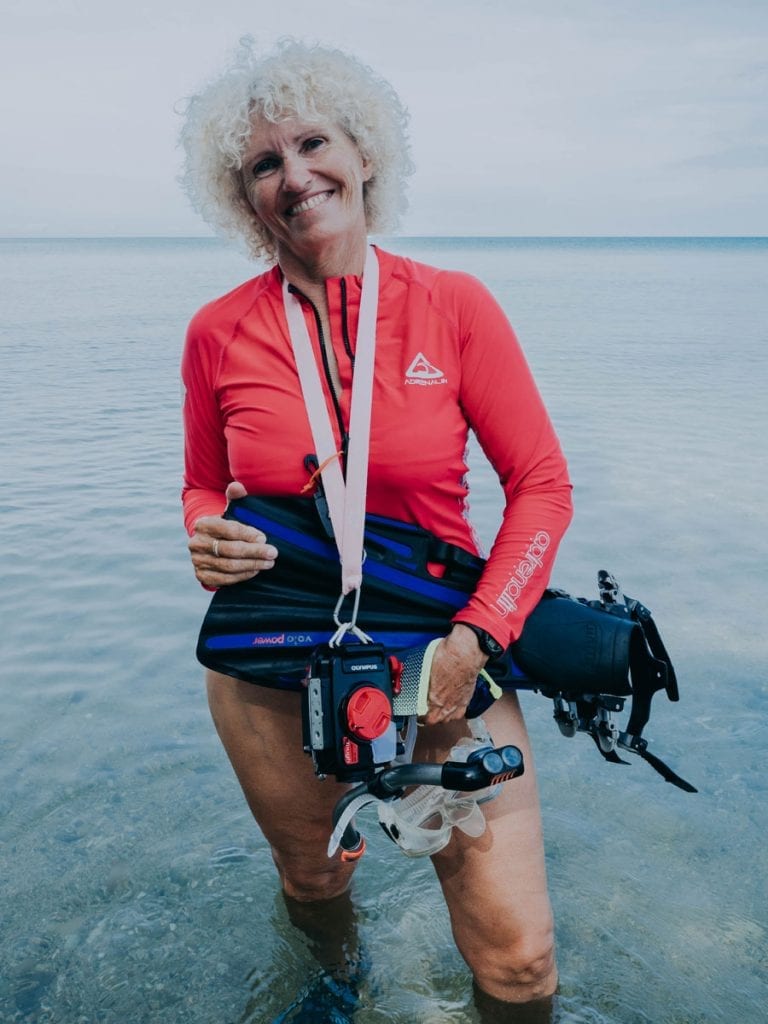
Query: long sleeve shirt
447	362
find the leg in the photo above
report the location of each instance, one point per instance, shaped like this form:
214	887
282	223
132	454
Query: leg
261	732
495	886
331	930
496	1011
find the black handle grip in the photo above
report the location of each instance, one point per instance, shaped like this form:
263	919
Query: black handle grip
484	768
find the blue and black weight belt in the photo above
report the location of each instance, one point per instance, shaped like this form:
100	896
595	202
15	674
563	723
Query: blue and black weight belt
264	629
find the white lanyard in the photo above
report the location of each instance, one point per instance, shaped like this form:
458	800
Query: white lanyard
346	502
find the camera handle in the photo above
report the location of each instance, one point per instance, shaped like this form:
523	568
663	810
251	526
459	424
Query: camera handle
484	768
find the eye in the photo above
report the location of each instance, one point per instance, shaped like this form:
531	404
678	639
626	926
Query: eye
265	166
314	143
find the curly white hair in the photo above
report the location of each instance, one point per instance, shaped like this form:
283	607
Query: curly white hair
313	83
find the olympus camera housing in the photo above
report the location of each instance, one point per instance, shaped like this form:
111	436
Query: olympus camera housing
348	723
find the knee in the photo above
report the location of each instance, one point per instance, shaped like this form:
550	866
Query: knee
308	882
517	971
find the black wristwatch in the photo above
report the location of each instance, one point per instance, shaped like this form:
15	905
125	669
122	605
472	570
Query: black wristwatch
488	644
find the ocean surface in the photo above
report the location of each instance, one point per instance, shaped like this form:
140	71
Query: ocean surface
134	885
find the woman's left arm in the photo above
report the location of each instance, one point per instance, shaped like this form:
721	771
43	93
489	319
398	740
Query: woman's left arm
503	406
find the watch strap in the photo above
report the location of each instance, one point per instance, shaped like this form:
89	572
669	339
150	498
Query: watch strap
488	644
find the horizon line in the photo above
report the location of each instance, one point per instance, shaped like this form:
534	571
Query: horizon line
404	237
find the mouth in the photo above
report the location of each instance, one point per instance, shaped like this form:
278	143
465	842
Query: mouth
308	204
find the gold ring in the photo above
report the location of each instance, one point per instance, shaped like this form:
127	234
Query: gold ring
216	548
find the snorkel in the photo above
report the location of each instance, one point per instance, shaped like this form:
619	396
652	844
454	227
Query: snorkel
421	823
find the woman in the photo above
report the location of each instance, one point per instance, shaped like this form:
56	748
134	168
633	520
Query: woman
304	153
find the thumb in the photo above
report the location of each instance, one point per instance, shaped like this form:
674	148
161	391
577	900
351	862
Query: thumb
235	490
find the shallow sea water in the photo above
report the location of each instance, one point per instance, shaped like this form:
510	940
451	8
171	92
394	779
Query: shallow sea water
135	886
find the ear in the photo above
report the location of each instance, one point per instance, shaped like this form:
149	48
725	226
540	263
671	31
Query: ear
367	168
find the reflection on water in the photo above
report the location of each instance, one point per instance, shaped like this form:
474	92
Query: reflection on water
135	886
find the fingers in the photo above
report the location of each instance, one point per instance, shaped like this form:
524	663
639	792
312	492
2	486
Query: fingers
439	713
247	564
450	691
228	529
220	550
224	551
221	545
220	571
235	490
455	667
214	578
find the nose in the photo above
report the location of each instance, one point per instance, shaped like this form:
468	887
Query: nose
296	174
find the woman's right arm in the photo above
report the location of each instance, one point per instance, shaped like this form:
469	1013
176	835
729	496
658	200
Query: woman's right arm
223	551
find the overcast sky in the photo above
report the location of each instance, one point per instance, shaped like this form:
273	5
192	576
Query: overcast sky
528	117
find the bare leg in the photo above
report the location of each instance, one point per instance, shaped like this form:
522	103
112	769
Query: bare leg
495	886
494	1011
331	929
261	732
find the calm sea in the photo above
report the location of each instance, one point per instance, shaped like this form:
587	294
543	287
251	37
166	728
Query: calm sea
134	885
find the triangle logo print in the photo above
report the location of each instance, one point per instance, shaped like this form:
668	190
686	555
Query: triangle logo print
421	368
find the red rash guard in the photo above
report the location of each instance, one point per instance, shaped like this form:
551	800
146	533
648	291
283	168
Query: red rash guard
447	361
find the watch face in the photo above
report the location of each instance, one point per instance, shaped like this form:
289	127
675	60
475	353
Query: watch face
492	647
488	645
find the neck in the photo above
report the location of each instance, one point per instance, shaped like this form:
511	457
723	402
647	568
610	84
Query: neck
309	271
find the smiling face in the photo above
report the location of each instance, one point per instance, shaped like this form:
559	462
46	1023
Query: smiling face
304	182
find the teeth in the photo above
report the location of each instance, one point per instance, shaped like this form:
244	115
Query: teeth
309	204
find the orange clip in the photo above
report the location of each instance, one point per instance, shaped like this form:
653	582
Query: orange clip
348	856
313	479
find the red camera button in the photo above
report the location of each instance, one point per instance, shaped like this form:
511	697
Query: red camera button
369	713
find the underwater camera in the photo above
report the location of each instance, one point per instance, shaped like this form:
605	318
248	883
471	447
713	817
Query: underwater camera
351	729
348	722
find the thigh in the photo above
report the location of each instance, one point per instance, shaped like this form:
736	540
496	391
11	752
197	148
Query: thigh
261	732
495	886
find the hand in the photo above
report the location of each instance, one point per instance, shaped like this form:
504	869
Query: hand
224	551
455	668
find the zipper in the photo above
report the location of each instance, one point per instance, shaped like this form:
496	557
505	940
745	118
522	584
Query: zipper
345	325
327	371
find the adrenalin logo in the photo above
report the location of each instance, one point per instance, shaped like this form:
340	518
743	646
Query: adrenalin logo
506	602
424	373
